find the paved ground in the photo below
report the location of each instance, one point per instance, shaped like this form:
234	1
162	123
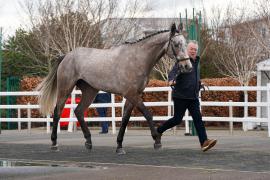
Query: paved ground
238	156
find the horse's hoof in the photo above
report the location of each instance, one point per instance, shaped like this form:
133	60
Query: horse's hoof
157	146
120	151
55	148
88	146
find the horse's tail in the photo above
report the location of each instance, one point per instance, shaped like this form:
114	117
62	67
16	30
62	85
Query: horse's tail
48	89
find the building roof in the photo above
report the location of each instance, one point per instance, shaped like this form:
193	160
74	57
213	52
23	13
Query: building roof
264	65
118	30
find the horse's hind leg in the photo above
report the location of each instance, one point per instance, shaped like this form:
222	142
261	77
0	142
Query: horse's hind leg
88	95
126	115
60	104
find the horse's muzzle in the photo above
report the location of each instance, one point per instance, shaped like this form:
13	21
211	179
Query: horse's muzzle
182	59
185	69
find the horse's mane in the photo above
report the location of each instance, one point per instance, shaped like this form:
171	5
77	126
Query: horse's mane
148	36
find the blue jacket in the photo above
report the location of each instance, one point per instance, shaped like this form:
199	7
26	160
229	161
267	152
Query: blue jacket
103	98
187	84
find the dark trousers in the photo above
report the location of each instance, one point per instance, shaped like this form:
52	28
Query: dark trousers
180	106
102	112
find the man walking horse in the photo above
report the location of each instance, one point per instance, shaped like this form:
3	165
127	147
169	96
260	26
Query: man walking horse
122	70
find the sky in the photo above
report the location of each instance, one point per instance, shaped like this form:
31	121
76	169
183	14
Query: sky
12	16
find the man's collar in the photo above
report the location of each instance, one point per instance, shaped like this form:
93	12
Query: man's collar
196	58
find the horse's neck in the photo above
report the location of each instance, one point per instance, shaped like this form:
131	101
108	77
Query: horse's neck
156	41
154	50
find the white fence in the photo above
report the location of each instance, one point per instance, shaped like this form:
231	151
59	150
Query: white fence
167	103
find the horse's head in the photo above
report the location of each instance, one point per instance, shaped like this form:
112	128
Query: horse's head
176	49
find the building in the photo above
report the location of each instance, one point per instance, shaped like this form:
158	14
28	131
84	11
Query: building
263	78
118	30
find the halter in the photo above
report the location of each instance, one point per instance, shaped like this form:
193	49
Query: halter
173	50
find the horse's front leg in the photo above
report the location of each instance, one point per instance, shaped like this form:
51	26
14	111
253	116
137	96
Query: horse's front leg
155	135
126	115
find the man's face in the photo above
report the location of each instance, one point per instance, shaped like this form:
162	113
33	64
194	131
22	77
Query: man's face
192	50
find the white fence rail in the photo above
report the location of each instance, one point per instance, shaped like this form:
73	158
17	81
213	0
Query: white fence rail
168	104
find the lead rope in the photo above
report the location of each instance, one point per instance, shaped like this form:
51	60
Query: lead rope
175	76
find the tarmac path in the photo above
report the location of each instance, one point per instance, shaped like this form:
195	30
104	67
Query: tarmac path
244	155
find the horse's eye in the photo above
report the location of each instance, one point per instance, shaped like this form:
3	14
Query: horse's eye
177	45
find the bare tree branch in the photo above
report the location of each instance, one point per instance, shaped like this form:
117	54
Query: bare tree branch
164	66
59	26
236	49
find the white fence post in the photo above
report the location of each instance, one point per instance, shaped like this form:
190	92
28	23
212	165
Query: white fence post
268	108
231	115
259	96
187	122
113	114
169	106
48	124
170	109
245	124
58	128
28	116
19	122
71	125
122	112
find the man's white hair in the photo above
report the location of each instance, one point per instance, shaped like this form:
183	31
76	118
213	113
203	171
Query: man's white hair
194	42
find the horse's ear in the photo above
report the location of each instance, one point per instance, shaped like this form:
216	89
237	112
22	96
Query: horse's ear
173	29
185	34
180	27
182	31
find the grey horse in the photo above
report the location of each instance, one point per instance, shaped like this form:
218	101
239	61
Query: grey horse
122	70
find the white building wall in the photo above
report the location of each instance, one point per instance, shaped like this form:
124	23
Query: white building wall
263	75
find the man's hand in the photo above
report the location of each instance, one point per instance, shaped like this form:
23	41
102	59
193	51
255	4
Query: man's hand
171	83
203	87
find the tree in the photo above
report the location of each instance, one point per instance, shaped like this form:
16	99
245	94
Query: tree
236	53
164	66
236	48
20	57
207	67
58	27
259	26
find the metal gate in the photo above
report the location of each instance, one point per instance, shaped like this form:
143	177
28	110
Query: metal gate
13	84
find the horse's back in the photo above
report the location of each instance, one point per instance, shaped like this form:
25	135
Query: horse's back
114	70
98	67
95	56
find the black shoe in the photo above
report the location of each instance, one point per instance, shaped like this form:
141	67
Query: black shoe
157	144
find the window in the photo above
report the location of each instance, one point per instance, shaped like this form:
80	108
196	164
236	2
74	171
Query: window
263	31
